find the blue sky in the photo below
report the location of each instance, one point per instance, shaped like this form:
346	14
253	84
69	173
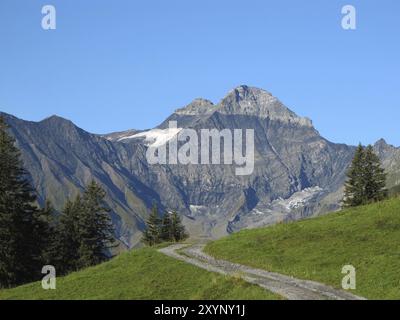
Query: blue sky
116	65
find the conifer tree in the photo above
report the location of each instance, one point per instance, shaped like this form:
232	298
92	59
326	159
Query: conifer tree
67	242
20	255
366	179
166	227
47	233
152	234
95	229
374	177
85	231
177	228
354	186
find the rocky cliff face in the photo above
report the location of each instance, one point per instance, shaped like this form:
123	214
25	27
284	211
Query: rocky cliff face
297	173
390	157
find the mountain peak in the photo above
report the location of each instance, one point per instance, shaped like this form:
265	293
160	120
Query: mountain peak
60	123
55	118
249	101
201	102
243	91
252	101
382	146
198	106
381	142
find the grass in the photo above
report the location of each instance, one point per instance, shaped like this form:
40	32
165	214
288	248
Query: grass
366	237
142	274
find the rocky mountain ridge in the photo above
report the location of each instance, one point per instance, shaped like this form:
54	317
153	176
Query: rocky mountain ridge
297	173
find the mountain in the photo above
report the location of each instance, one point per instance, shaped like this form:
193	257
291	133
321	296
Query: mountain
390	157
297	173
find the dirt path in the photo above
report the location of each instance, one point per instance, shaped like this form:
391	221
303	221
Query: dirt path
288	287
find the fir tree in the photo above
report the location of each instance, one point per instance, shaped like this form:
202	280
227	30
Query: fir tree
152	234
95	227
374	177
85	231
177	228
67	242
354	186
166	227
366	179
47	233
20	254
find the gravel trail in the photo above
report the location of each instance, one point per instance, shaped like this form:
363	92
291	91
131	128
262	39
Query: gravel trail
287	287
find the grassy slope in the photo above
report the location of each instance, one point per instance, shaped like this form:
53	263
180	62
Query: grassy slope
142	274
366	237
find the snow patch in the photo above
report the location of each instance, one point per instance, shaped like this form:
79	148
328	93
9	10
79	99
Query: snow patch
298	199
196	210
155	137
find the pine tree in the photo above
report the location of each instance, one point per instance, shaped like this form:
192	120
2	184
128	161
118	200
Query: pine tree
177	228
152	234
95	227
20	254
169	228
374	177
67	241
354	186
166	227
85	232
366	179
47	233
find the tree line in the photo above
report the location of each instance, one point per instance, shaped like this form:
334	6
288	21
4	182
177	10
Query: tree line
366	179
31	237
169	228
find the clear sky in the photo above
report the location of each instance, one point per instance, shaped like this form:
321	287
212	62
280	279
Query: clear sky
121	64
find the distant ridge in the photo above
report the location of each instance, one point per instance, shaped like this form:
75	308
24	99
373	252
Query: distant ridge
297	172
